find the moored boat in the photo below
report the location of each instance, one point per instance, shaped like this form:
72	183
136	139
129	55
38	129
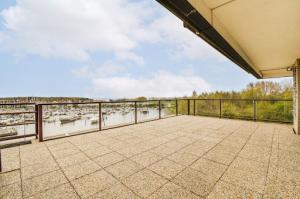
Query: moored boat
68	119
8	132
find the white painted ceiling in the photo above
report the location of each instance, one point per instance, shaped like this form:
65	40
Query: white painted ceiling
266	33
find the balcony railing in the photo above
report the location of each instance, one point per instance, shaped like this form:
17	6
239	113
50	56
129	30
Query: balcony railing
53	120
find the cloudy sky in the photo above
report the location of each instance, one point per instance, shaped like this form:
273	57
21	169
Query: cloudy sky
105	49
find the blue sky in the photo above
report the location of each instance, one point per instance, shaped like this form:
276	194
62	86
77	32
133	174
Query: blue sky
105	49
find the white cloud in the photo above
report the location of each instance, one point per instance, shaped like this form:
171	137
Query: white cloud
74	29
130	56
187	44
109	80
160	84
95	71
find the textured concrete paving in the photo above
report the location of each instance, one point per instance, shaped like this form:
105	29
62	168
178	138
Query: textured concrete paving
179	157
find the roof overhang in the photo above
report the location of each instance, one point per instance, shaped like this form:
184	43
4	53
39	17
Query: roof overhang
261	36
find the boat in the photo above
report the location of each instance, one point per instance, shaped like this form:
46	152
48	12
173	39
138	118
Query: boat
28	118
8	132
46	117
105	113
7	121
49	119
94	120
145	111
68	119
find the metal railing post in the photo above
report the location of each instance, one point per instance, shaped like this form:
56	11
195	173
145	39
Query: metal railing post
40	123
194	107
100	116
36	121
188	106
135	112
254	110
0	162
220	105
159	109
176	103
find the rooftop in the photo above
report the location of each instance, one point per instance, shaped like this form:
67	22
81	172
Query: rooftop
178	157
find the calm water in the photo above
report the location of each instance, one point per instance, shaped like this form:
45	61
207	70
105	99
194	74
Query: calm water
54	127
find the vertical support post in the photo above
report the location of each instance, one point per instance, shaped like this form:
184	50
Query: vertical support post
36	121
40	122
159	109
0	162
135	112
188	106
100	116
254	110
194	107
296	97
176	103
220	105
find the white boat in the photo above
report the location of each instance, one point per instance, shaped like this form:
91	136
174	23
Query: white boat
145	111
94	120
8	121
68	119
46	117
8	132
49	120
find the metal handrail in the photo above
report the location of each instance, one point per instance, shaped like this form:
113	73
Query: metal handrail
20	123
135	103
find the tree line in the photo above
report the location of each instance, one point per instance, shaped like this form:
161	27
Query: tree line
264	100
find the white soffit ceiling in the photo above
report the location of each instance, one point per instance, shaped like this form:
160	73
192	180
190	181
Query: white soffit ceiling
266	33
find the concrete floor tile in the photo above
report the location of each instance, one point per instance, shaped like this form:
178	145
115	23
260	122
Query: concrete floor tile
173	191
124	168
10	165
27	160
93	153
186	139
195	182
65	152
144	183
89	146
163	150
59	192
251	180
116	191
287	190
166	168
146	158
93	183
10	154
220	156
12	191
109	159
183	158
39	169
228	191
10	177
72	159
209	167
55	142
195	150
80	169
257	153
289	159
41	183
250	165
61	146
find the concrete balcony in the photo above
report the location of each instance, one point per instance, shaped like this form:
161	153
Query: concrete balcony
178	157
